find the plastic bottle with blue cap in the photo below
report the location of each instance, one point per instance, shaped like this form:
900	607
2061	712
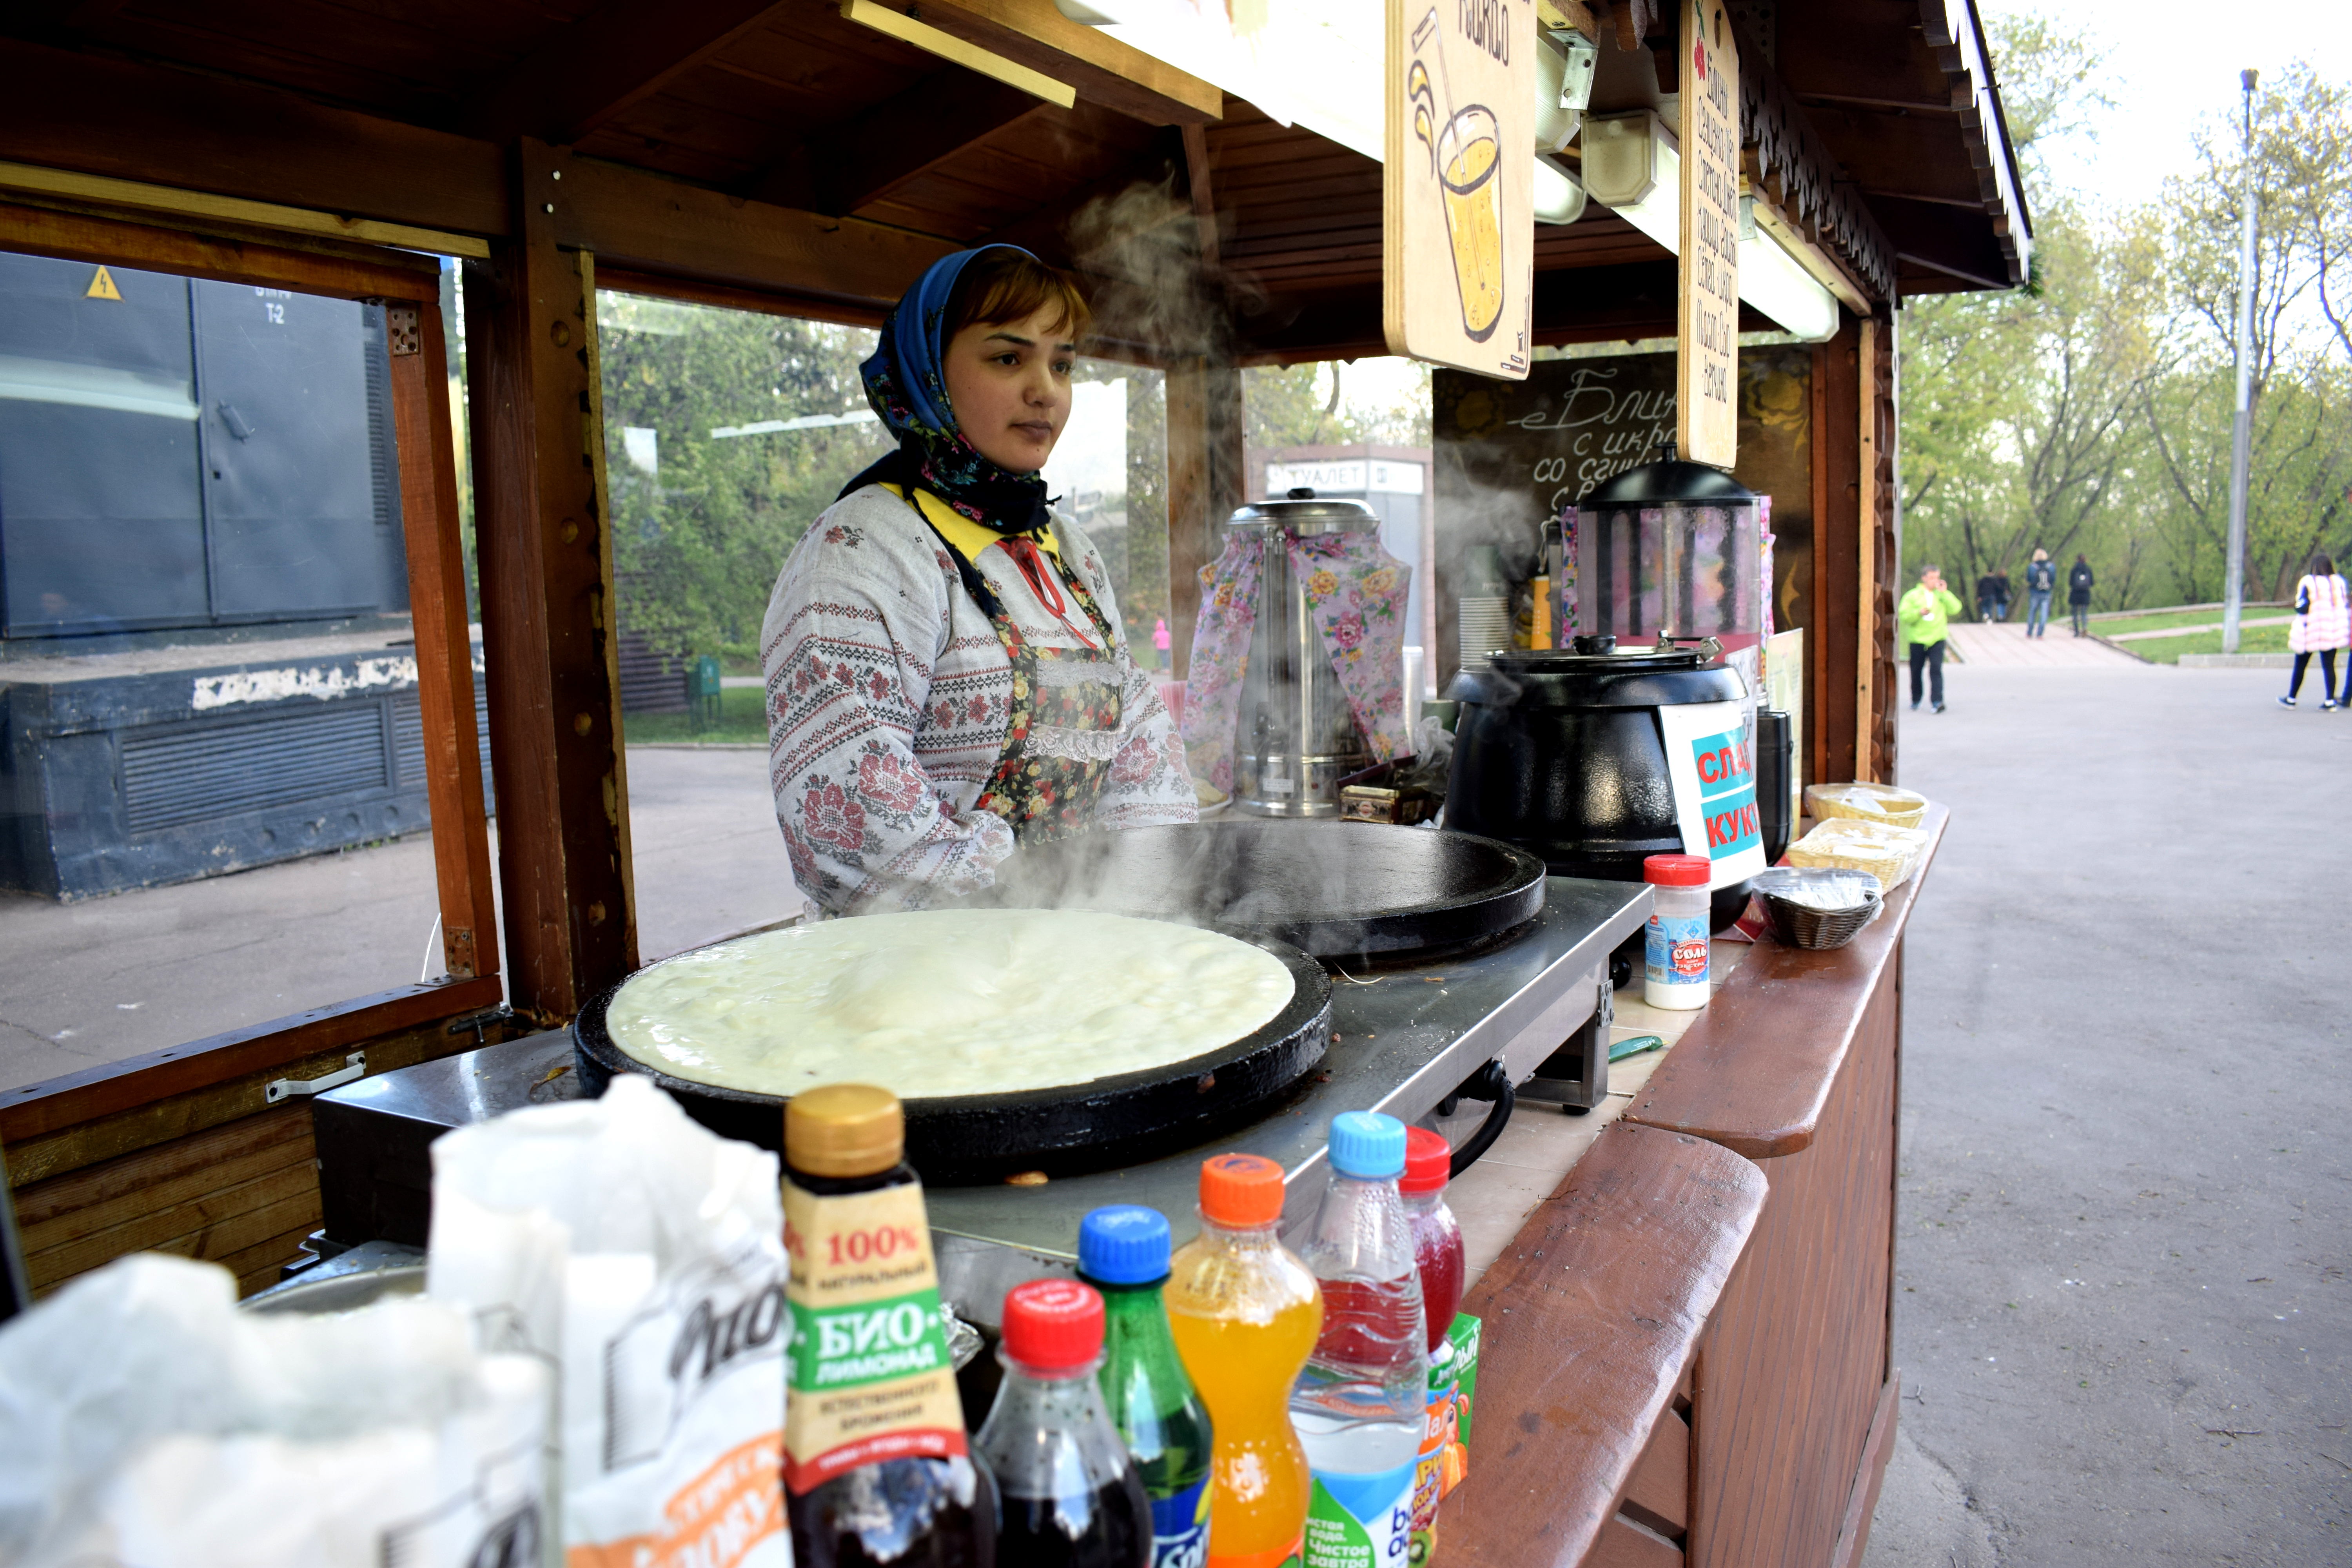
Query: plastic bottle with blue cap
1123	1253
1358	1406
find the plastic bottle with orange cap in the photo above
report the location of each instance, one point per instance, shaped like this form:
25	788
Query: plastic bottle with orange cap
1246	1313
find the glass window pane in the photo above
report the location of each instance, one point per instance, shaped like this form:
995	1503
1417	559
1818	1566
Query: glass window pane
727	432
213	783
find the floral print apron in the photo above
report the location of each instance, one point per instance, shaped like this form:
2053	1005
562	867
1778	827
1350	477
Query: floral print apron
1061	732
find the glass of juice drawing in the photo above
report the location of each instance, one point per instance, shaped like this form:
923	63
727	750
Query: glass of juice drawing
1470	172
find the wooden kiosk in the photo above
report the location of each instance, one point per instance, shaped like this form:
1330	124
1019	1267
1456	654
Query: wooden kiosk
1715	1385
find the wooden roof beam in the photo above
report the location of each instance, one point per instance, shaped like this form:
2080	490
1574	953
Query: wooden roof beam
645	224
617	55
162	126
1102	69
845	167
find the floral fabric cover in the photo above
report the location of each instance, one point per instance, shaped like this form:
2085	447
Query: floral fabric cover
1356	594
888	695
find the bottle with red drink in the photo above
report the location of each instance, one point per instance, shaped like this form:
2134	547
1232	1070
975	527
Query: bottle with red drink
1436	1234
1361	1403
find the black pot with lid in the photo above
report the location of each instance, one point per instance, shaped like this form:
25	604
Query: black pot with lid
1561	753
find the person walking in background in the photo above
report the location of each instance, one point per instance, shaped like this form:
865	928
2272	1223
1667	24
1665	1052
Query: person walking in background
1988	595
2322	624
1923	620
2078	594
2041	577
2000	594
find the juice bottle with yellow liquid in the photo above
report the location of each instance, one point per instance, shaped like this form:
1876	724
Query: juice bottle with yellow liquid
1246	1313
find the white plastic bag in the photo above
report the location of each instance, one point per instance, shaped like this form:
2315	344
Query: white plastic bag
146	1423
643	1256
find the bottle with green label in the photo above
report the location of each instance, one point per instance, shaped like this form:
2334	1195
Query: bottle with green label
876	1469
1123	1253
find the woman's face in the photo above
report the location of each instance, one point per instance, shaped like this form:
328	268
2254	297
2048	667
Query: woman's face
1010	384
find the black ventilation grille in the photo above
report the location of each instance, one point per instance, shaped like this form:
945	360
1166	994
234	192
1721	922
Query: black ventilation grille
176	775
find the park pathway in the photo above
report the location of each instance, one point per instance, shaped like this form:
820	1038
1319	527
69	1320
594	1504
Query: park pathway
2122	1316
2005	643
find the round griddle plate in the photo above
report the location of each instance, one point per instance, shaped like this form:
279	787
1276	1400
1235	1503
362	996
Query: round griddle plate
965	1139
1336	890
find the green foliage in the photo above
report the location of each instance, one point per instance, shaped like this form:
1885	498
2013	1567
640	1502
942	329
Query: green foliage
742	721
699	538
697	542
1311	405
2092	410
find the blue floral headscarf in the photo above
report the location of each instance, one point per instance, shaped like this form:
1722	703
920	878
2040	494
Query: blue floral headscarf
905	381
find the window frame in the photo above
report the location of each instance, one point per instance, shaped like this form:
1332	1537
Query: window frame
407	284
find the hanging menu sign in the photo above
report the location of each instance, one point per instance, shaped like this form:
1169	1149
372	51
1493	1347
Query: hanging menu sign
1458	189
1708	377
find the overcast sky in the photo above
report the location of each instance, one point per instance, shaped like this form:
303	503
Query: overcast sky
2174	64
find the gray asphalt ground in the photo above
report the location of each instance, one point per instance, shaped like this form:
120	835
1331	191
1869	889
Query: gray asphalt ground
2123	1319
93	981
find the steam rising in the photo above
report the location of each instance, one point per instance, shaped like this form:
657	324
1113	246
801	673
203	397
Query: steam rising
1326	887
1154	294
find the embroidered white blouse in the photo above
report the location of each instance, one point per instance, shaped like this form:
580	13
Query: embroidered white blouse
887	697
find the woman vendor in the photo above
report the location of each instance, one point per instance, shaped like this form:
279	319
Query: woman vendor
946	670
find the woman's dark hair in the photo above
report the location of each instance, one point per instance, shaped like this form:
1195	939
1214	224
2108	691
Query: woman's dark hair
1004	285
2321	566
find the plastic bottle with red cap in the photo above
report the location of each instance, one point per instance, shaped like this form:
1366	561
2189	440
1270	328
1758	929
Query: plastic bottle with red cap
1677	956
1245	1312
1437	1252
1070	1492
1436	1234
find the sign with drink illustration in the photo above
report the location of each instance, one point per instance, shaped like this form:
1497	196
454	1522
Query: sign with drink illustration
1458	198
1708	323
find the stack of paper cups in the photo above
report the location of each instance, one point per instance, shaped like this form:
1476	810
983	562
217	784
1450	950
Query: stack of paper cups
1484	626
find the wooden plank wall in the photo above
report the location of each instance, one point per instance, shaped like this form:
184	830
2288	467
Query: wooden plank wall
243	1195
1793	1374
178	1175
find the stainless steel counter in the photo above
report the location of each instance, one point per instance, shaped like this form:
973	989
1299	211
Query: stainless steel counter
1402	1039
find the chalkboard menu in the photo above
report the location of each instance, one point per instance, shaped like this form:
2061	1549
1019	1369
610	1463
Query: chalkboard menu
1511	455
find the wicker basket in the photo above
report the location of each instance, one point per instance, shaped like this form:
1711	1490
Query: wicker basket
1800	925
1866	802
1890	854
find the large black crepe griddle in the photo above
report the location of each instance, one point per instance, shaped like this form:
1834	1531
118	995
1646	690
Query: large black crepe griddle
967	1140
1336	890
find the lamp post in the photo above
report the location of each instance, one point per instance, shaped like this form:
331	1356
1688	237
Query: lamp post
2241	425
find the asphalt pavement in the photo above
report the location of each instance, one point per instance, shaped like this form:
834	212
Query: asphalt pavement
2125	1202
96	981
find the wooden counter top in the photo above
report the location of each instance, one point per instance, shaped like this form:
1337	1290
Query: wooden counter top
1684	1355
1754	1072
1587	1324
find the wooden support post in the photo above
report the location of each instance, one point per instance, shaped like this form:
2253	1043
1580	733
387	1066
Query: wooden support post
548	607
1204	484
1868	689
1882	548
445	660
1832	649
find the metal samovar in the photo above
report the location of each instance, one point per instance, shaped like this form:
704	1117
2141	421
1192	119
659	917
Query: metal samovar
1298	737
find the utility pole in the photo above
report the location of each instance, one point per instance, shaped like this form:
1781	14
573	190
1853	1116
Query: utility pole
2242	426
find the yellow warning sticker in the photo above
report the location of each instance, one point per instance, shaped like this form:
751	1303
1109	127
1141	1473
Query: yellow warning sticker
102	287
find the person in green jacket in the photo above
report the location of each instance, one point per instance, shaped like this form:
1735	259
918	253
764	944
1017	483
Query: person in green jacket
1923	620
